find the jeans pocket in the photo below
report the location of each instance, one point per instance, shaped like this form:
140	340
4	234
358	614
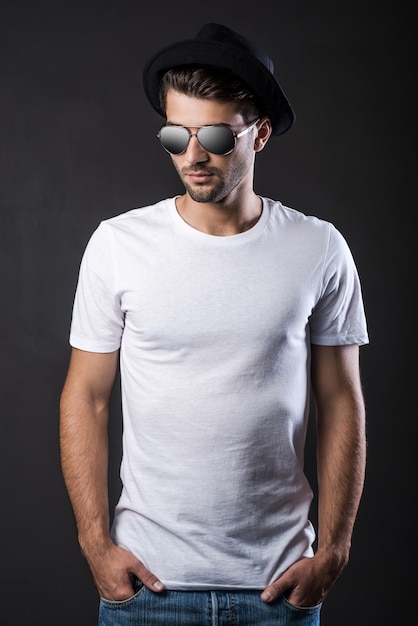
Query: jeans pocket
139	588
304	609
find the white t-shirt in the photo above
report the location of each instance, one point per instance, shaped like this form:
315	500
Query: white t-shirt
215	337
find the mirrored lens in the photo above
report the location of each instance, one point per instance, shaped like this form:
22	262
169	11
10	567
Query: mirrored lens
216	139
174	138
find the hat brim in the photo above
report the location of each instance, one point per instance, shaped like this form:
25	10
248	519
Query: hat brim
218	54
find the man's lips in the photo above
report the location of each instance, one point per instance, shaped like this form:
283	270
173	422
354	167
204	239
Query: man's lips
199	176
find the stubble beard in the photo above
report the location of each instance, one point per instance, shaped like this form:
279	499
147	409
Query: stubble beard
203	193
213	191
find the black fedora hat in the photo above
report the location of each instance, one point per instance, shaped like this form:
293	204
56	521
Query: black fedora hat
219	46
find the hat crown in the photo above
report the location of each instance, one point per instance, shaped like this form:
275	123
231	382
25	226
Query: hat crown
219	33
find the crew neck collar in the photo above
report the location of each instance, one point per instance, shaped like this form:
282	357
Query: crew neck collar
217	239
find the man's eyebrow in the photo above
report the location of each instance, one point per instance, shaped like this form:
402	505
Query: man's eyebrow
168	123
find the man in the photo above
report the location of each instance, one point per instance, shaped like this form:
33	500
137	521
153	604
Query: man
225	309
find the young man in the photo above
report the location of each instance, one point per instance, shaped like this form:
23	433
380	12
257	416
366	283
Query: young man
225	310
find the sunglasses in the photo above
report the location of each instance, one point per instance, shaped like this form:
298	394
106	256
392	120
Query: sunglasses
220	140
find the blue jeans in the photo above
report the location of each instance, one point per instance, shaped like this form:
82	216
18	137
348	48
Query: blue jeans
204	608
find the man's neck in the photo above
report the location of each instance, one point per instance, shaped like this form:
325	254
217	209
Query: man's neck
222	219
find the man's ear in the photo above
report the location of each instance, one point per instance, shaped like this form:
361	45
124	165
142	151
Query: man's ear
263	134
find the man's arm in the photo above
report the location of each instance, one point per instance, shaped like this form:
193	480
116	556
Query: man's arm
341	458
84	412
341	450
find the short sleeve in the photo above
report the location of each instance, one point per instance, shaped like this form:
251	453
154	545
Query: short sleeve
339	317
97	319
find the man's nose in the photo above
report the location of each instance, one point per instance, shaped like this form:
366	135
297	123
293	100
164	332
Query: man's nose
195	152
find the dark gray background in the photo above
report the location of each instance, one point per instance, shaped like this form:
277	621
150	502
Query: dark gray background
77	142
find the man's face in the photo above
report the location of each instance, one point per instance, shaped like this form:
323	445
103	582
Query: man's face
208	177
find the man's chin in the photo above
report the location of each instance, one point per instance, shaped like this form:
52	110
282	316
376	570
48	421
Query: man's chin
203	194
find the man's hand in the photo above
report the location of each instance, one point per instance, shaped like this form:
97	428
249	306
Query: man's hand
306	583
114	571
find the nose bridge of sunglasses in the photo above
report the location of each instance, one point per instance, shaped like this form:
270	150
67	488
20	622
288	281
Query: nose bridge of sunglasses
196	140
191	141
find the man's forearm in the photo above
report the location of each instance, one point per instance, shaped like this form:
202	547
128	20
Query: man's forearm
84	459
341	468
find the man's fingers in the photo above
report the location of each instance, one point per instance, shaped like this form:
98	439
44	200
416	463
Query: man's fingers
272	592
149	579
157	585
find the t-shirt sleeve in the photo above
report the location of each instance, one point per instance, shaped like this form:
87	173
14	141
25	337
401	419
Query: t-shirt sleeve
97	318
339	317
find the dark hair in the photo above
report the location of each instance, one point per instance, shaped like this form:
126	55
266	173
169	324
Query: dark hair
212	83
